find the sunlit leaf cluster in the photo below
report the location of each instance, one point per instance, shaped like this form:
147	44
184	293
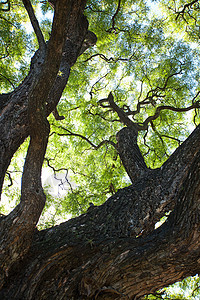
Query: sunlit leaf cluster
187	289
147	54
141	58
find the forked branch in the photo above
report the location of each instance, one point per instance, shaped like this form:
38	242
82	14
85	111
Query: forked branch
124	112
167	107
70	133
121	114
185	7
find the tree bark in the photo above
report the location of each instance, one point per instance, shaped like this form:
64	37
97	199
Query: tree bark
30	107
14	127
79	259
113	250
130	154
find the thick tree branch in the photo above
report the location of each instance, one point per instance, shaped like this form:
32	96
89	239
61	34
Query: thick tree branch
176	168
39	128
22	220
116	263
169	178
35	24
127	142
130	154
15	124
121	114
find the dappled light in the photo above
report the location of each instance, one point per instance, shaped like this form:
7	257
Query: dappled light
99	149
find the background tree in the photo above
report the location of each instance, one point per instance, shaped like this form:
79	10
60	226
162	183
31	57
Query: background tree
131	99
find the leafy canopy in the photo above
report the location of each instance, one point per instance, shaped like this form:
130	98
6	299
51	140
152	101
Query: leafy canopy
147	54
145	57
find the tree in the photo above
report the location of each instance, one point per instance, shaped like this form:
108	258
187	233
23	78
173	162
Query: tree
148	80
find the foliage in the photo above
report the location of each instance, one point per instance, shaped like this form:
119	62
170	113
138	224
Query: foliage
147	55
14	43
137	57
187	289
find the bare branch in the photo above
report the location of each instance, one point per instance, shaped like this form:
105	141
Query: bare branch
35	24
111	59
70	133
188	5
8	80
103	117
95	10
1	17
154	93
167	107
121	114
6	54
101	56
113	28
54	170
93	86
10	178
172	138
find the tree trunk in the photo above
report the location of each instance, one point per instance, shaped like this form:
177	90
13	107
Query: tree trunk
113	250
14	127
94	257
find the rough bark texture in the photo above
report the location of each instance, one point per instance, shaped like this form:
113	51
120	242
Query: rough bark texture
89	257
130	154
13	107
24	113
112	251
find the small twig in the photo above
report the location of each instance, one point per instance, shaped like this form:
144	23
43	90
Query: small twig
4	3
172	138
102	116
54	170
111	59
198	287
113	28
1	17
95	10
8	80
6	54
159	136
70	133
93	86
10	178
